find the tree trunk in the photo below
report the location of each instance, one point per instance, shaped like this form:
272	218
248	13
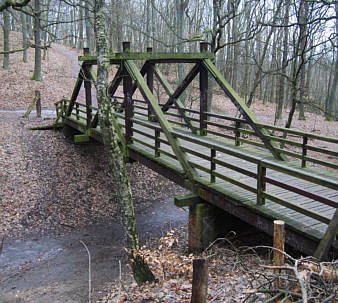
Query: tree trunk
332	98
37	37
258	74
24	35
88	27
281	94
80	42
56	32
141	270
303	19
180	7
6	28
45	33
119	29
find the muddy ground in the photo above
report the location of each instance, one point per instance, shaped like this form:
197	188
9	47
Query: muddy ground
55	269
56	193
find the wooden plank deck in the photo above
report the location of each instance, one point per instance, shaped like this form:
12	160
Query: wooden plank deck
233	198
305	224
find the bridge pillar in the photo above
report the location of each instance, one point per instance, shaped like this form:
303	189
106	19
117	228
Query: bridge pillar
206	222
202	229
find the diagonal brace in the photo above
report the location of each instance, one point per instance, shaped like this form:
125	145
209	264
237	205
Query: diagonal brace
243	109
166	127
76	91
177	101
180	89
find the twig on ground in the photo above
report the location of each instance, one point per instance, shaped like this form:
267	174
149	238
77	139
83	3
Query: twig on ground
89	273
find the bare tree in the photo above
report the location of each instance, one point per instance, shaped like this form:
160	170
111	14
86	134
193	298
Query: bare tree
37	37
6	28
108	122
15	4
332	99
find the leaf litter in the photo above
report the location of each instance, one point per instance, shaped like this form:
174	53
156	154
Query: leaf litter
49	185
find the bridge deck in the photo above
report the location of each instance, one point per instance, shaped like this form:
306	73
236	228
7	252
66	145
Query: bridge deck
305	217
206	153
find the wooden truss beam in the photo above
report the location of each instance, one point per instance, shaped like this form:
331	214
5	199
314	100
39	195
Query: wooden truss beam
166	127
177	101
243	109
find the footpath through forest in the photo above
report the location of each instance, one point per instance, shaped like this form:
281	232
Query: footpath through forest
55	193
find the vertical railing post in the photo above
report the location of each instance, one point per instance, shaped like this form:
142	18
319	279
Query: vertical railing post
150	82
261	183
237	133
157	143
212	165
86	51
88	90
77	111
304	150
203	94
128	101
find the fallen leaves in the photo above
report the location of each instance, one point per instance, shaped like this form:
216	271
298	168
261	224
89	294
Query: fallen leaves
172	266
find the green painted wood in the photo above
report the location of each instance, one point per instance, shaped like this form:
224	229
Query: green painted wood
187	200
75	92
243	109
151	56
81	138
167	129
297	212
177	101
329	237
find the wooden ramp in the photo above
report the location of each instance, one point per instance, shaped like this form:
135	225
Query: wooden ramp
241	170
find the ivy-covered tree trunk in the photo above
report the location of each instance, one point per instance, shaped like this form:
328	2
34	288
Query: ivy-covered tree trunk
141	270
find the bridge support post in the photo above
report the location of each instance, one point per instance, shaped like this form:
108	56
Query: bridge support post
203	221
150	83
203	93
128	100
207	222
202	227
88	89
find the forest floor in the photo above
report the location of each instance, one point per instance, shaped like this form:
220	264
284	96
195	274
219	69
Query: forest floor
55	193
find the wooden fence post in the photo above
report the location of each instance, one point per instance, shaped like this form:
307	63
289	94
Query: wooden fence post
304	150
278	244
212	165
199	281
261	184
237	133
38	103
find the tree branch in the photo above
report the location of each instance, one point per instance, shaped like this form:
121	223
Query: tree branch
14	4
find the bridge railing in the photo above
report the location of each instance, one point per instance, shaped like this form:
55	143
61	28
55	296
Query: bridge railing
304	146
255	180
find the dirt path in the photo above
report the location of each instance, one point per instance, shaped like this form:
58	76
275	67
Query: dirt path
55	269
55	194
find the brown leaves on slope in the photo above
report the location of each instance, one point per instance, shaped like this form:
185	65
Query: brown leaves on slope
17	88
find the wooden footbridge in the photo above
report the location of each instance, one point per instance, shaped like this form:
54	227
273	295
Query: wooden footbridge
255	172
